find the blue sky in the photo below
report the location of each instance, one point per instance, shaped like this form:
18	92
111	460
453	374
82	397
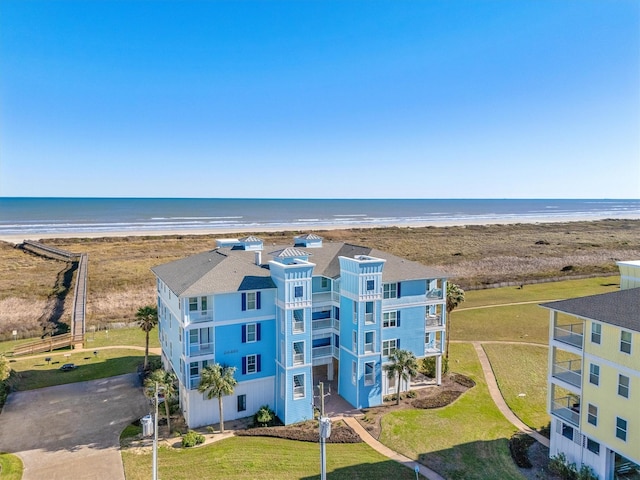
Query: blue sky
320	99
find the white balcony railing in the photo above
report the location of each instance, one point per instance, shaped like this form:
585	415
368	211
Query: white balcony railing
298	358
567	408
199	316
569	334
569	371
434	294
323	323
432	348
298	327
433	321
197	349
368	318
321	352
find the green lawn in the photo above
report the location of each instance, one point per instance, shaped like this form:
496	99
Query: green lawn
37	373
10	467
465	440
515	323
265	458
121	336
541	292
521	372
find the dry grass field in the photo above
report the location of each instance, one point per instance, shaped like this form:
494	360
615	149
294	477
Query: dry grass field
120	280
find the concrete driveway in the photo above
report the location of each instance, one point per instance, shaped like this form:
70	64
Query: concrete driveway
72	431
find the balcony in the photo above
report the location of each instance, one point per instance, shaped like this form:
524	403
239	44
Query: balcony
199	316
434	294
326	323
325	297
322	352
432	321
569	371
198	349
569	334
368	318
432	349
567	408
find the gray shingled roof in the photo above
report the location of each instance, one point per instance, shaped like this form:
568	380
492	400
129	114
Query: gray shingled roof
213	271
289	252
308	236
227	270
620	308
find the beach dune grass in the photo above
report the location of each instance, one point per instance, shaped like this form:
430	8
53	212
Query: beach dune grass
264	458
465	440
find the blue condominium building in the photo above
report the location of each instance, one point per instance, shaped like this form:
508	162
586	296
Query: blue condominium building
291	316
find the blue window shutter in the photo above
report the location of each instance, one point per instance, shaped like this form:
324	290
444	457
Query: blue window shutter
258	363
398	318
398	344
244	302
258	301
244	365
244	334
258	332
399	294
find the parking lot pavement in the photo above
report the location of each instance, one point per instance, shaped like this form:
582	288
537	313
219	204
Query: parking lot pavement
72	431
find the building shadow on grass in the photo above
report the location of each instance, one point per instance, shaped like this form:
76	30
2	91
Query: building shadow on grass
386	469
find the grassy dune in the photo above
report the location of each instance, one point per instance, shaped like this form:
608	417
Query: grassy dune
120	280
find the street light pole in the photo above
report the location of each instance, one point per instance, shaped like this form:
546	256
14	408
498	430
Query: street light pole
325	432
155	439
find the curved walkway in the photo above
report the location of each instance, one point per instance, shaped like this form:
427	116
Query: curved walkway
498	399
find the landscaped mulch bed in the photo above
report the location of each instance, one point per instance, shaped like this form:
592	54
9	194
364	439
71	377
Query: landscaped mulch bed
305	432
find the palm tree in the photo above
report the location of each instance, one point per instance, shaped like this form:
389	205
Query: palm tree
403	366
147	320
166	382
217	381
455	296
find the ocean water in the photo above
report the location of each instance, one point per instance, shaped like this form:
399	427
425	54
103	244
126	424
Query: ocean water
31	216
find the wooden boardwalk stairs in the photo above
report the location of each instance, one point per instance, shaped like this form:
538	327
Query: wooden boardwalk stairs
78	329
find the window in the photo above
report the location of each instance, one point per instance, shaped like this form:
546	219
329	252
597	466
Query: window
242	403
389	346
203	304
298	292
194	371
298	321
593	446
567	431
250	333
621	429
282	385
389	319
324	282
354	341
193	304
298	386
592	415
371	284
298	353
354	372
594	374
369	338
623	386
369	377
596	333
251	364
368	313
625	342
355	312
251	301
390	290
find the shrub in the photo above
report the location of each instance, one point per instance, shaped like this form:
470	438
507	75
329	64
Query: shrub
428	366
191	439
519	447
264	416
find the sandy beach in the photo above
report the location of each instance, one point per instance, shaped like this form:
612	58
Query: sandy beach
19	238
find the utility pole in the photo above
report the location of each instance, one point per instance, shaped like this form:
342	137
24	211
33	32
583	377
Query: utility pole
325	432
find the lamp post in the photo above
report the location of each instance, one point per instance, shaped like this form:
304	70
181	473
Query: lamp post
325	432
155	438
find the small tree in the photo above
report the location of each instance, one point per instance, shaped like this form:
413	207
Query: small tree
264	416
403	366
147	320
166	382
455	296
217	381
